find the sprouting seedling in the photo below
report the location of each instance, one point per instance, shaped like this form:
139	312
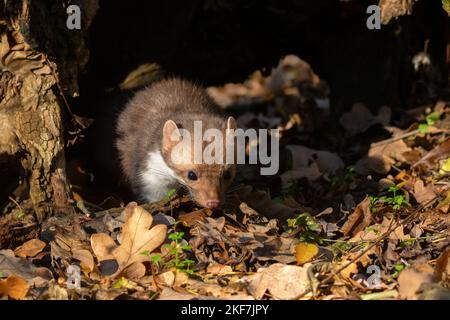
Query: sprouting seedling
21	214
175	250
429	121
308	226
397	201
169	194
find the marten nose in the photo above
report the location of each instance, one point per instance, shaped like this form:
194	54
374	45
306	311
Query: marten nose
212	203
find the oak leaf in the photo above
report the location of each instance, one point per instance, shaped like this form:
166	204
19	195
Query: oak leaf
136	239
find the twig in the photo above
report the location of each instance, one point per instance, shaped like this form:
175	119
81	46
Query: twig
147	206
393	139
380	295
59	88
403	136
16	203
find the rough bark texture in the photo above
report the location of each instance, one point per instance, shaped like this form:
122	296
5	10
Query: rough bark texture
392	9
14	233
31	94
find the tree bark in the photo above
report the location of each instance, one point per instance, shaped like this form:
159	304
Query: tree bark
32	90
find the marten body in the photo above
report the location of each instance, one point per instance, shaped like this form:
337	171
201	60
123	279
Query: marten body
144	146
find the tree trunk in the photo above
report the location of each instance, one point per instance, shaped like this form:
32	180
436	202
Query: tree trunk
32	89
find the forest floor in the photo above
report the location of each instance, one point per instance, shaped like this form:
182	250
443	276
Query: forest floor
358	210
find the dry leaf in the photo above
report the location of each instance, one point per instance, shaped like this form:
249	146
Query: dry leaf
30	248
422	193
170	294
281	281
12	265
166	279
360	118
305	252
303	157
260	201
103	246
359	219
218	269
380	158
134	271
411	280
192	218
55	292
86	259
439	152
444	204
442	269
136	239
14	287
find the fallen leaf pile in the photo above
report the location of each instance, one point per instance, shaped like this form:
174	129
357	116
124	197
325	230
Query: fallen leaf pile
358	210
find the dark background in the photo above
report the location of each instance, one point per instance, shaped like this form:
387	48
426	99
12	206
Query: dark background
214	42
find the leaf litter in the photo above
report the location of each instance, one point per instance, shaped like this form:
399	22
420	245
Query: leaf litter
349	216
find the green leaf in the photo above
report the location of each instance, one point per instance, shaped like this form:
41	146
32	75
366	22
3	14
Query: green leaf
423	128
291	223
432	118
398	268
156	258
122	283
176	236
169	194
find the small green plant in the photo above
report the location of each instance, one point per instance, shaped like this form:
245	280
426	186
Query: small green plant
429	121
348	177
2	275
169	194
122	283
399	267
175	250
20	214
308	228
397	201
339	247
375	230
406	243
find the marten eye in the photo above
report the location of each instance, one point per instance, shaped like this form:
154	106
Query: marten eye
227	175
192	176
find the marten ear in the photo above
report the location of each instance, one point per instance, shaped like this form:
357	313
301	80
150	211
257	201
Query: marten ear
171	134
231	123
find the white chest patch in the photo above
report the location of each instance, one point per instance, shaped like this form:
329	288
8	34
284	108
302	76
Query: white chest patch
157	178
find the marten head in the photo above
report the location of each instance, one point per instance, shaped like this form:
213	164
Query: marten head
198	157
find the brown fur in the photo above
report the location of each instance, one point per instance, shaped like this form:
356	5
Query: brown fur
140	131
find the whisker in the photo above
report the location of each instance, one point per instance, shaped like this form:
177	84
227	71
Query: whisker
157	171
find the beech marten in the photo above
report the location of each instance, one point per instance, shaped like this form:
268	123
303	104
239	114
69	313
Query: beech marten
145	130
